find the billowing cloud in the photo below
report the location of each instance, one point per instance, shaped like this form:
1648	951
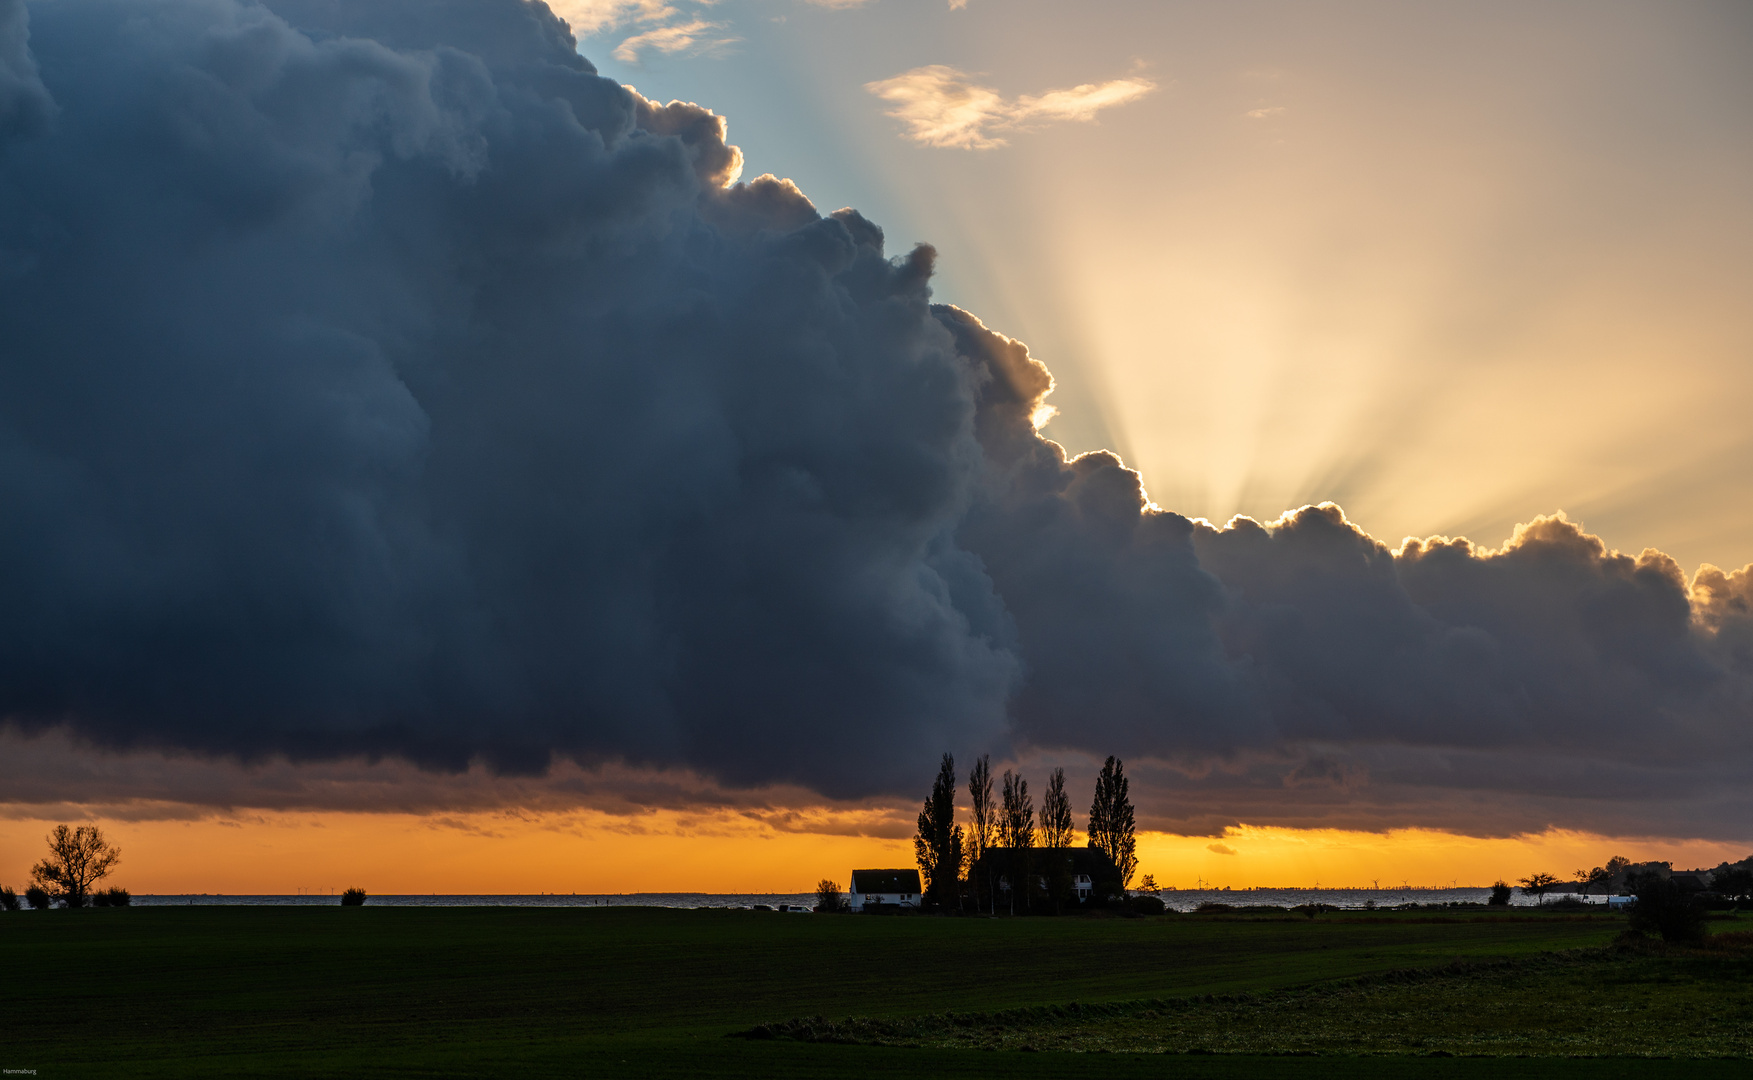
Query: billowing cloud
1301	668
396	404
942	106
449	404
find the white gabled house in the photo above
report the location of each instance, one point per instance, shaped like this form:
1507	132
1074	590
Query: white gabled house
884	888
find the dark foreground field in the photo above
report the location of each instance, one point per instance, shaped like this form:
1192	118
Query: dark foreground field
653	993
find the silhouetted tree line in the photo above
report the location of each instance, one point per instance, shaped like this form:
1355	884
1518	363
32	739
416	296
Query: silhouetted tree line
1007	859
1621	876
1672	905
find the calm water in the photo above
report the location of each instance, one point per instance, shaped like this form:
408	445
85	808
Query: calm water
1348	899
664	900
1180	900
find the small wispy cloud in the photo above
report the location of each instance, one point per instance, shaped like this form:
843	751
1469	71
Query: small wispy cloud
589	17
658	25
1268	112
695	35
942	106
1220	849
955	5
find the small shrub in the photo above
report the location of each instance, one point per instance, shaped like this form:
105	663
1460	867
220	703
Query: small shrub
37	898
828	898
353	898
1146	905
1663	907
112	897
1738	940
1566	903
1212	907
1500	895
8	898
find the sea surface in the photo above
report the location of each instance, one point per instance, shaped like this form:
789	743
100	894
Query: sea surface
1177	899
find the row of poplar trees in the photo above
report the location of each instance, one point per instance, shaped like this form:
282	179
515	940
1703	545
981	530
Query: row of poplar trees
948	855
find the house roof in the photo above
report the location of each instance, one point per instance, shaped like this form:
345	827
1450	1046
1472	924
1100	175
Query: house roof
1077	860
886	881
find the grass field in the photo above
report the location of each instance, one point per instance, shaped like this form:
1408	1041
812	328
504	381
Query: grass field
651	993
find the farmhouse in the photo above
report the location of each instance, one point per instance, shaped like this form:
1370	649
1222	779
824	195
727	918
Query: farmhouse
885	888
1073	873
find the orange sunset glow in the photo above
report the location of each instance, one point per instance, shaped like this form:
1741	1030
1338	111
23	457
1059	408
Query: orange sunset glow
278	853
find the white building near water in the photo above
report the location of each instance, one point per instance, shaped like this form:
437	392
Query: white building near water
884	888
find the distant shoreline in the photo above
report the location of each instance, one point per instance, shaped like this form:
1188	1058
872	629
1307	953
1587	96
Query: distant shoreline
1176	899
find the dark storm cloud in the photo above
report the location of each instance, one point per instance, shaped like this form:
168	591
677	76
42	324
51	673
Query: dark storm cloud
1302	672
380	381
442	403
24	101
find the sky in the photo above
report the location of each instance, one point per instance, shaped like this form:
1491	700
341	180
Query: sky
1447	267
439	451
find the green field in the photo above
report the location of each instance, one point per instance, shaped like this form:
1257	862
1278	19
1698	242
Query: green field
629	992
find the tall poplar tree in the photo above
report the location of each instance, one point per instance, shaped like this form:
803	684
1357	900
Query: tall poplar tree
1016	831
1056	827
982	826
1111	819
938	845
1016	824
1056	836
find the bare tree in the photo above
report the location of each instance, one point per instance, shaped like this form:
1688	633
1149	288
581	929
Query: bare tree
1056	827
1538	884
1112	828
1587	880
984	821
938	845
1016	831
78	859
1056	835
1016	825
